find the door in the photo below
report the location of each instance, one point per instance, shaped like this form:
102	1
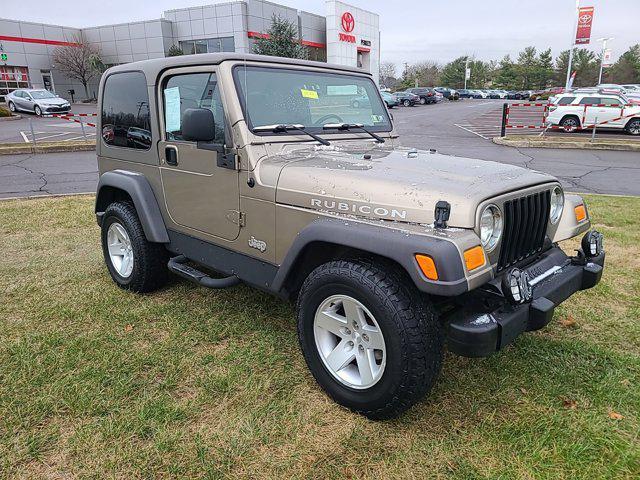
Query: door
47	81
201	194
611	113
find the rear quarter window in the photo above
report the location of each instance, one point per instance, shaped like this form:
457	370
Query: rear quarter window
125	111
566	100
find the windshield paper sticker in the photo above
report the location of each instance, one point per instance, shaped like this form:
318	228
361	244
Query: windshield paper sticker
376	118
309	93
172	109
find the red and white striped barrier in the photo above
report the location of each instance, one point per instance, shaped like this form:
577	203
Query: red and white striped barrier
70	116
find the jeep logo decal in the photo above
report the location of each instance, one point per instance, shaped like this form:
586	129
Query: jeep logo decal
257	244
363	209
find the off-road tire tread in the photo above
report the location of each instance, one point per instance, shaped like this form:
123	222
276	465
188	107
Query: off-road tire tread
150	262
421	333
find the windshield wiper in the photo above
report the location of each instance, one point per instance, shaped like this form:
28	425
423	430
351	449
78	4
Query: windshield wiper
280	128
349	126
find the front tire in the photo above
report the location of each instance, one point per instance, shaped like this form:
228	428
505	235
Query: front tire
370	339
633	127
37	110
134	263
570	124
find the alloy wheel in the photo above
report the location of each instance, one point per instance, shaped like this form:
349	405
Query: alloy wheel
120	249
349	341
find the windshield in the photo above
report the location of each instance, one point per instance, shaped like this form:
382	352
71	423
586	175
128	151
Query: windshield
39	94
273	96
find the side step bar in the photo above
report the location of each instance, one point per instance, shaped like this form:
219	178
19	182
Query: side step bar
178	266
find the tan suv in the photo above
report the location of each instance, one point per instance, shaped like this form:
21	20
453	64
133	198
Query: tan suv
229	168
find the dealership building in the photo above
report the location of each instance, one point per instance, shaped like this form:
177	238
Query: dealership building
346	35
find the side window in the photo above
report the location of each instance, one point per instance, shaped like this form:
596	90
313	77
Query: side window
125	111
590	101
192	90
566	100
611	102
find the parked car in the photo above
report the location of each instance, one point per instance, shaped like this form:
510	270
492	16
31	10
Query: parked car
426	94
465	93
390	99
498	94
448	93
479	94
407	99
38	101
361	101
392	257
576	111
545	94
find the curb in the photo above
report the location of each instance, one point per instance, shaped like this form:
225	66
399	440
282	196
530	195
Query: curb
47	147
541	142
10	118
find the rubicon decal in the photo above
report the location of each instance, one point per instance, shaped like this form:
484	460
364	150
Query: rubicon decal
362	209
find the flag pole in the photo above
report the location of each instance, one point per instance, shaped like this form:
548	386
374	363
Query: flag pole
573	42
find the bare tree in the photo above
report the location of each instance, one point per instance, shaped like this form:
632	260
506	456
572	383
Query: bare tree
388	74
75	60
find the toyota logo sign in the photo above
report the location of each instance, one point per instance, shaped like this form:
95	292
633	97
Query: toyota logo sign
348	22
584	19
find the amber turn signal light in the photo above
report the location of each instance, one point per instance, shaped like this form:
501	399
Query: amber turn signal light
474	258
581	212
427	266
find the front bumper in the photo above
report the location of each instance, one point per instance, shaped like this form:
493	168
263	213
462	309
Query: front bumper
473	332
56	109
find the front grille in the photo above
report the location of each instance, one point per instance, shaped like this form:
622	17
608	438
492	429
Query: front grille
525	226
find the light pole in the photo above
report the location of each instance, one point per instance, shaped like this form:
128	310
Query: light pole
466	69
604	49
573	42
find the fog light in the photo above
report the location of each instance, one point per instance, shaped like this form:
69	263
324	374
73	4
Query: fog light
516	286
592	243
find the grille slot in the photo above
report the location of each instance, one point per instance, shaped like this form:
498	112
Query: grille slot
525	226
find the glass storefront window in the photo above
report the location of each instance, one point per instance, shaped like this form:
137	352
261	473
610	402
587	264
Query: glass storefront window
208	45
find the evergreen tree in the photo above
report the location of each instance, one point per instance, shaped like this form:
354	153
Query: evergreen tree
174	51
627	68
544	69
281	40
453	73
526	68
507	76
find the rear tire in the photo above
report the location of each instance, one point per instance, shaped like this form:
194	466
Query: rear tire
406	103
12	107
633	126
149	271
570	124
411	334
423	101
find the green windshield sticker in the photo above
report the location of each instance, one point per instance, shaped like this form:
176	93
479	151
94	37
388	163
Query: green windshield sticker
376	118
172	109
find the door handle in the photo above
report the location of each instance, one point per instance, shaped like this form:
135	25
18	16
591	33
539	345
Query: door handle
171	155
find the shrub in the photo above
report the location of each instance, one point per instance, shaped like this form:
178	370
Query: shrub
4	112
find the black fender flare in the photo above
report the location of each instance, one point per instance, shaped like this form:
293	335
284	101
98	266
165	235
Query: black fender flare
138	188
393	243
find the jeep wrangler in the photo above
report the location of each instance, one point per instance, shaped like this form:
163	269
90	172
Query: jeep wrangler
230	168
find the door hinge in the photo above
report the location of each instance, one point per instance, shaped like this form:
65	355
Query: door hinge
237	217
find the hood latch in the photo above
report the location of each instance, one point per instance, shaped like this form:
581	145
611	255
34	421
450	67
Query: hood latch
441	214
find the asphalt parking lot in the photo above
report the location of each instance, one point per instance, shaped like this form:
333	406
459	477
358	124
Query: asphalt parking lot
462	128
49	128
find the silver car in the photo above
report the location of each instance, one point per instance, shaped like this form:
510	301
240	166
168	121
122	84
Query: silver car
38	101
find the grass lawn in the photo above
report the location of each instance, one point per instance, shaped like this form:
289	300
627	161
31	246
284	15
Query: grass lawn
188	382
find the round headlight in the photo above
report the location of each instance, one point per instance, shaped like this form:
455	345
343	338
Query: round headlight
490	227
557	204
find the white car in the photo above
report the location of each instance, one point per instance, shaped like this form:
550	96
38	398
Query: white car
575	111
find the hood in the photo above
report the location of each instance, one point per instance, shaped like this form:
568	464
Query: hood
52	101
393	183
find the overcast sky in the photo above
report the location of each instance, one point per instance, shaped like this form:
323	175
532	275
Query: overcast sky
411	31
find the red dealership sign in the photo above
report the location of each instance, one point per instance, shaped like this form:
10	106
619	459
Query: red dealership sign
348	22
585	20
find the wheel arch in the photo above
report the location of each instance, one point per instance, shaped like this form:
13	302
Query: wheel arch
570	115
118	185
317	244
632	119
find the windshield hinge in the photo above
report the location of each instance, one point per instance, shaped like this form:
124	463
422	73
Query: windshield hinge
236	217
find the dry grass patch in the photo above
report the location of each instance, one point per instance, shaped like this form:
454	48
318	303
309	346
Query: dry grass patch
190	383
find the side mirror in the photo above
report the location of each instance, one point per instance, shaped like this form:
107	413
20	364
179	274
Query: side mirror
198	125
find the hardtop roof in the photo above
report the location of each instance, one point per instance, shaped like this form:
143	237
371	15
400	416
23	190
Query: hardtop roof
153	67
